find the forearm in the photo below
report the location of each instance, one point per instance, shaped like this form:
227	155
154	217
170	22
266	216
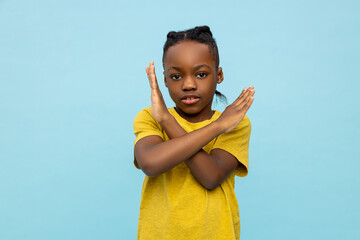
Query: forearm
202	165
182	146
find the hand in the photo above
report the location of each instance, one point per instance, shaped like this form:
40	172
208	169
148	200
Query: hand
158	106
236	111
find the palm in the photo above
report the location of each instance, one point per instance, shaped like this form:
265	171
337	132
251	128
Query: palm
235	112
158	106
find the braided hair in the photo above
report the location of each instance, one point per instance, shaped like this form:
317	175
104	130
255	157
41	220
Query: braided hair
201	34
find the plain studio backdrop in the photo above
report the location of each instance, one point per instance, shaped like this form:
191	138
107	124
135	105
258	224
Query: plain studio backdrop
72	79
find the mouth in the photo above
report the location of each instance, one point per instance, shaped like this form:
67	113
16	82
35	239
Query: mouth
190	99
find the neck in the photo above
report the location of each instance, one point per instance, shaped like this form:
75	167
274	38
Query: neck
205	114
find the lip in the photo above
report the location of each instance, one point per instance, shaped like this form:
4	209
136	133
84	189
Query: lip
190	99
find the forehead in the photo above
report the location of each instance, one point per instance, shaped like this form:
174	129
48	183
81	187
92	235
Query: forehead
188	53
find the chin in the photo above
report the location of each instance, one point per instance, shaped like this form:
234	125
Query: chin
190	110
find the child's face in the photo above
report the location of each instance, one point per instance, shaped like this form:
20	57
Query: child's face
191	77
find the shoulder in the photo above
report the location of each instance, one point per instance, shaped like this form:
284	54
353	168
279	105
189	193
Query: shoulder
242	130
236	142
144	117
144	113
146	125
244	124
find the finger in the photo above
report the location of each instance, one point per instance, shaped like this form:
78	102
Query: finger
246	104
252	90
249	103
150	71
149	77
247	92
241	94
244	98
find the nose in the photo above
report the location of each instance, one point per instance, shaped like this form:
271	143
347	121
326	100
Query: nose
189	84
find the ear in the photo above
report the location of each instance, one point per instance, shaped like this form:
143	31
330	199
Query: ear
165	81
220	75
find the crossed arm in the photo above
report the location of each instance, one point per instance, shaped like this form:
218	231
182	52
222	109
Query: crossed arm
155	156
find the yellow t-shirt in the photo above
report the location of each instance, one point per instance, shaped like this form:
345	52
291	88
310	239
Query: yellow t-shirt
174	205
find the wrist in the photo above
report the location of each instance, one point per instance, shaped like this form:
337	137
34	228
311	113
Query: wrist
218	128
166	120
172	127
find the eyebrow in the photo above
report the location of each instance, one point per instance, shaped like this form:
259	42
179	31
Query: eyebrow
194	68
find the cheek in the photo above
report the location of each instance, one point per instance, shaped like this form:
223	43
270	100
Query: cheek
172	89
173	86
211	85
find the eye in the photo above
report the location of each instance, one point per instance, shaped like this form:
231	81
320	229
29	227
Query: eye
175	76
201	75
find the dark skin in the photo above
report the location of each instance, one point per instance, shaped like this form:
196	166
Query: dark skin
191	78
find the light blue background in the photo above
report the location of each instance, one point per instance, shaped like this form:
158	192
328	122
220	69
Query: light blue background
72	79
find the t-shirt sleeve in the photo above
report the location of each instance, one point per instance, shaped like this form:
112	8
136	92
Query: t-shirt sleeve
236	142
145	125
